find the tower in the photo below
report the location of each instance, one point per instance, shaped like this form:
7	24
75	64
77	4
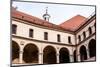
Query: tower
46	16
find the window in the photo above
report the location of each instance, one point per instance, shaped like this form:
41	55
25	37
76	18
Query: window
31	33
58	38
90	30
69	39
45	36
79	37
14	29
84	35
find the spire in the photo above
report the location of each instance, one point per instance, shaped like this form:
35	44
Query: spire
46	16
46	10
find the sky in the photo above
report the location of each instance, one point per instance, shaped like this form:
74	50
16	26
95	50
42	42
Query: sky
58	12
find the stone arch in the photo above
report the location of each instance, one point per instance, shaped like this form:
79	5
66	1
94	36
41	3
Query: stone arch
92	48
64	56
30	54
15	52
49	55
83	53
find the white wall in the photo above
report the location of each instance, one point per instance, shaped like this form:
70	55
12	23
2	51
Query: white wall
86	31
23	31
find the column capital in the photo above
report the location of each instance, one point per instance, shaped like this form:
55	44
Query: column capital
57	54
87	49
71	55
22	42
40	53
21	52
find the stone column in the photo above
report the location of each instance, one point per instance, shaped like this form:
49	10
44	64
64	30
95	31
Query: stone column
40	58
57	57
87	54
78	58
21	52
21	55
78	54
87	51
71	58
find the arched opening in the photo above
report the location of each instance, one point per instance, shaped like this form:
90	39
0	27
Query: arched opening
75	60
83	53
49	55
30	54
92	48
64	55
15	52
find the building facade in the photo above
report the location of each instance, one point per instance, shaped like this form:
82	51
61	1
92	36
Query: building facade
37	41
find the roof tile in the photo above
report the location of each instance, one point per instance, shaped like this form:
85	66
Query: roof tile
73	23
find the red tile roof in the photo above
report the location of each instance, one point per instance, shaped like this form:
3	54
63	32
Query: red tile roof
69	25
34	20
74	23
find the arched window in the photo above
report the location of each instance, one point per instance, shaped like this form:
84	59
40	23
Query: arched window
84	35
58	38
69	39
14	29
79	37
90	30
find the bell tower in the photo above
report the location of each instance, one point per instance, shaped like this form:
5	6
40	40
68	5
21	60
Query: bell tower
46	16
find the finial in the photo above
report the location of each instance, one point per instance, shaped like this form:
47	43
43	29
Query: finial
46	10
46	16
